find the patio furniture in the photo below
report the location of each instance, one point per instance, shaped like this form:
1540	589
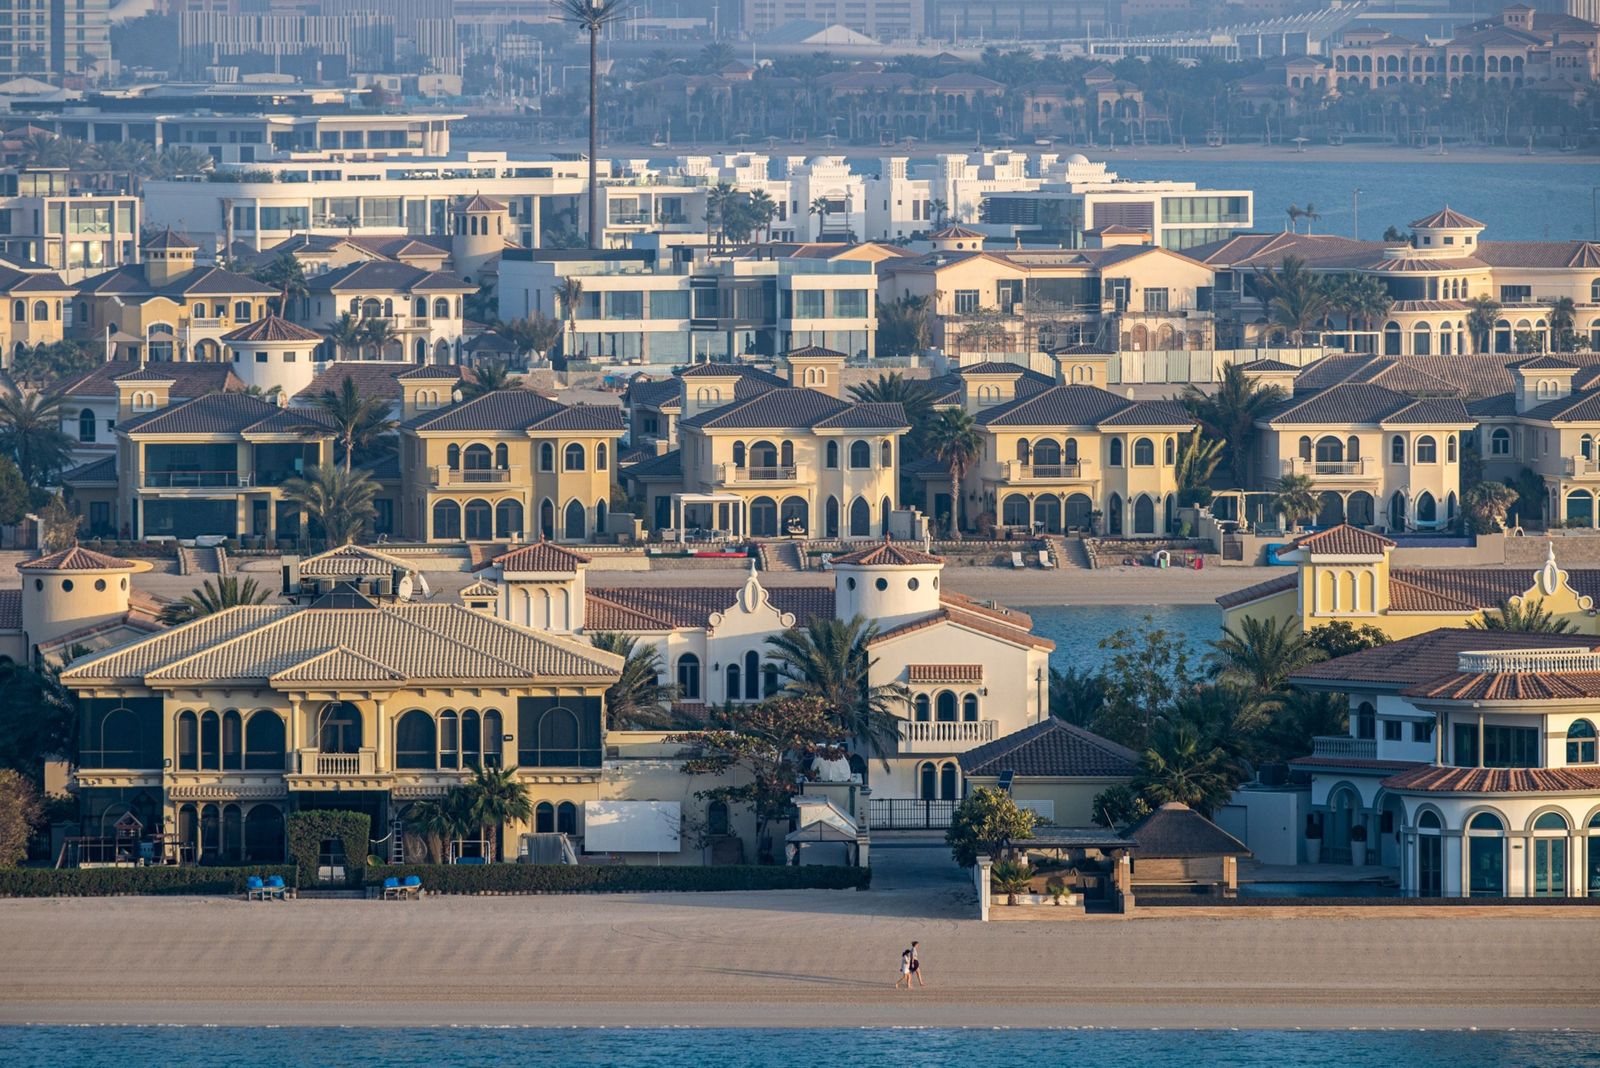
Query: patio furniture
276	888
254	888
412	887
1045	561
391	888
1017	561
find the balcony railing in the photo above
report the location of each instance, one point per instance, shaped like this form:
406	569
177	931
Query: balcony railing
945	736
1529	661
313	762
197	323
1578	467
1344	747
1017	471
194	479
1363	468
733	475
905	814
444	475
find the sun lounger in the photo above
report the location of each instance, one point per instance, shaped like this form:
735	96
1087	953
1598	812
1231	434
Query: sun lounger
1017	561
276	889
1045	561
391	888
254	888
412	887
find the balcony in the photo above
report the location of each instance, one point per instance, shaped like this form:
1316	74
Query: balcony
780	475
1365	469
335	770
1578	467
1014	471
445	477
197	323
945	736
194	479
1344	747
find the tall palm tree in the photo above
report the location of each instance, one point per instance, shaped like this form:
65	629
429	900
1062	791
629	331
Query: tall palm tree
719	200
593	16
913	396
1525	615
569	294
30	433
1563	312
440	818
819	208
488	378
1364	299
1296	497
1262	653
1483	313
904	328
287	275
1198	459
357	420
763	209
1310	215
1230	413
208	599
347	334
377	333
829	659
495	797
1294	297
1179	765
637	699
339	500
956	441
1487	504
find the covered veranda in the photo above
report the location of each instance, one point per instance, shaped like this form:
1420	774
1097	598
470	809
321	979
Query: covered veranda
710	516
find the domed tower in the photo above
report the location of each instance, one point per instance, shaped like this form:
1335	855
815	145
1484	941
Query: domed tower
1447	233
478	229
273	352
72	590
167	256
954	238
889	584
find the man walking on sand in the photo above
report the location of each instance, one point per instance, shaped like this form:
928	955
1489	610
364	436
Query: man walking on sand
905	970
916	967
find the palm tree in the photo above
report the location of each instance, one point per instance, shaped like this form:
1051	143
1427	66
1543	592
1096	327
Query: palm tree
569	294
346	333
357	421
488	378
1364	299
1230	413
1262	653
1295	215
904	328
938	209
829	659
30	433
763	209
1487	504
1077	696
1295	298
535	334
1310	215
1296	497
956	441
592	16
1484	313
494	797
912	395
287	275
439	818
819	208
208	599
637	699
377	333
1180	766
1524	615
339	500
1198	459
719	198
1563	312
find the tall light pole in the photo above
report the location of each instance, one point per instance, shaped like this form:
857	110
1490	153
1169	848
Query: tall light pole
592	16
1355	214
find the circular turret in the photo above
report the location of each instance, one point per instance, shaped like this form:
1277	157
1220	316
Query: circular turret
72	590
889	584
273	353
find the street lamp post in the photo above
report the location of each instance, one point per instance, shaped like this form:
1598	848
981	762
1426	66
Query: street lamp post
1355	214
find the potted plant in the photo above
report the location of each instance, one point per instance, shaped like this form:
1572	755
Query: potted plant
1313	839
1358	845
1011	878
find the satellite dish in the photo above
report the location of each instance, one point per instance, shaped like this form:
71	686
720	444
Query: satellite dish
403	591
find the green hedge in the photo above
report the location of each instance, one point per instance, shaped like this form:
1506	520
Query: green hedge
109	882
308	828
618	878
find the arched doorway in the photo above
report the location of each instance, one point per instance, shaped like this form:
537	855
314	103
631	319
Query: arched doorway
1486	855
339	728
1344	810
860	518
1014	510
1580	508
1076	514
1047	513
764	517
576	523
1359	510
1397	511
480	520
794	516
1144	515
1331	514
1550	833
263	835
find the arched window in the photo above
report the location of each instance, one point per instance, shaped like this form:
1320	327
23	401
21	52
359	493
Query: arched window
1427	450
1500	442
1581	742
786	454
472	738
733	677
969	708
567	819
928	781
121	740
1144	453
949	782
738	454
921	708
831	516
449	740
1171	452
502	457
1115	450
41	311
572	458
860	456
860	518
689	677
1397	450
600	457
232	741
1427	508
86	426
210	742
446	521
1022	450
414	741
479	520
339	728
1586	447
1450	449
558	738
263	741
547	456
547	518
452	457
544	818
831	456
717	818
476	458
508	518
441	308
1366	720
944	707
887	455
752	675
577	521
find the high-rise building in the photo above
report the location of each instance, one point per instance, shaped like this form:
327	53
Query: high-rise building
55	38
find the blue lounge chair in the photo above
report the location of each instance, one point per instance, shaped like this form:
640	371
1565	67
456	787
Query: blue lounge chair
275	888
413	887
391	887
254	888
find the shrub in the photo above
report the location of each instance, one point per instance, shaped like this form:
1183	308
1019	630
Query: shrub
110	882
307	831
621	878
20	814
1011	878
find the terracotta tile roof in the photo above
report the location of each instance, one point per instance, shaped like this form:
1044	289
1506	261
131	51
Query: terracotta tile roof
1544	362
887	554
386	276
662	393
479	202
1011	617
77	558
1344	540
671	608
1577	408
351	561
1510	686
1260	590
983	624
338	665
786	407
815	351
372	378
733	370
1447	218
1431	779
669	465
479	590
101	470
1176	831
434	372
168	239
1000	367
1413	661
10	609
270	329
1052	748
517	410
944	672
1573	254
1478	587
230	413
1084	406
1347	402
541	556
1267	365
188	379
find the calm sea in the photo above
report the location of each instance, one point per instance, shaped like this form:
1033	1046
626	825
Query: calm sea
1078	630
124	1047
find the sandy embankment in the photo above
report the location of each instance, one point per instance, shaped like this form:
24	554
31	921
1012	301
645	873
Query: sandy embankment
780	959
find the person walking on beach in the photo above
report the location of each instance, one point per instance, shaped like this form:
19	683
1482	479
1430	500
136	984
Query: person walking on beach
916	967
905	970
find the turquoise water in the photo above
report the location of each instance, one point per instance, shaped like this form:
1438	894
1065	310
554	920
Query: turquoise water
1078	630
125	1047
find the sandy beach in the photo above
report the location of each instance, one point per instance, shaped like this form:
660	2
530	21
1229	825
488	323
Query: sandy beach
796	959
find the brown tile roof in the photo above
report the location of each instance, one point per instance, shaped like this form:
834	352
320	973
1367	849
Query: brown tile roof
1447	218
188	379
1431	779
670	608
270	329
1510	686
815	351
983	624
540	556
1485	587
1260	590
1574	254
1176	831
372	378
230	413
351	561
1052	748
77	558
887	554
10	609
1060	406
944	672
517	410
1012	617
786	407
1420	659
1344	540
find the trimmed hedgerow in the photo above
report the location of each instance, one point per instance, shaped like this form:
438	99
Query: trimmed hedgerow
309	828
620	878
110	882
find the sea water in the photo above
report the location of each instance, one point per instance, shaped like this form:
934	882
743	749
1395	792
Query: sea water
1078	630
287	1047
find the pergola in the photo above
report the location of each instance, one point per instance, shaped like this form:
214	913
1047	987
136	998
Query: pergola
725	513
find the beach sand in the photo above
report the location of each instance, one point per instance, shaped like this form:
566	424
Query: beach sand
795	959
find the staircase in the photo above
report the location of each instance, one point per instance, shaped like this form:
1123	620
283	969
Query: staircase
1071	553
202	561
781	556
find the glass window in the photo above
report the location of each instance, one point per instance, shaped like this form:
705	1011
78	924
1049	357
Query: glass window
292	218
850	303
1391	730
1144	453
624	305
1581	742
673	305
967	301
1427	450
